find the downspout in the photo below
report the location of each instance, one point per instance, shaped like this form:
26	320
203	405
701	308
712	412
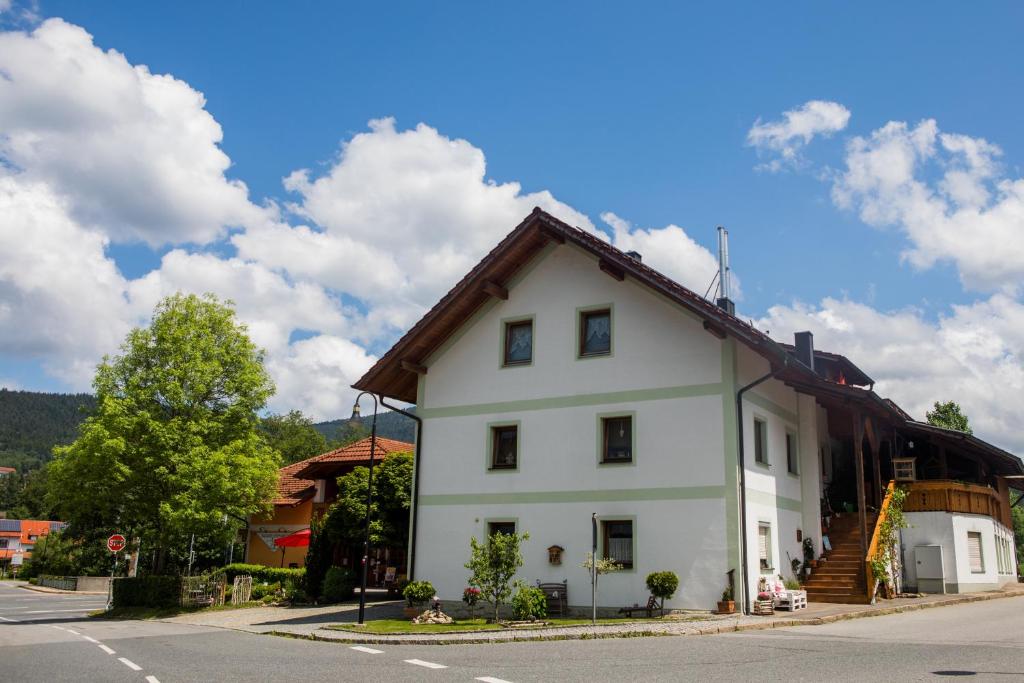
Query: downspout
745	575
415	483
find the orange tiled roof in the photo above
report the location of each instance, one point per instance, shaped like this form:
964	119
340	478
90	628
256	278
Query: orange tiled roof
7	470
354	454
290	489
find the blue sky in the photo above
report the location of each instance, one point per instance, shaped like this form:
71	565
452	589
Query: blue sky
643	111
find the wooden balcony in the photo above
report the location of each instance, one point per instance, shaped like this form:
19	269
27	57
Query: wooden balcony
944	495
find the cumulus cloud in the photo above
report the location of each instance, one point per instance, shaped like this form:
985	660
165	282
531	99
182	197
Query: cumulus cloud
971	355
784	139
946	193
134	154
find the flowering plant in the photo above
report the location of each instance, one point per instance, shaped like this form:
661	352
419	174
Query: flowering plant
470	596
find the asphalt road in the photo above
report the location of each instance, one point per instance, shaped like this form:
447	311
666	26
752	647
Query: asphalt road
48	638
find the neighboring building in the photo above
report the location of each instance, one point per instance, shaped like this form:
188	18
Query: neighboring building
20	537
6	471
307	488
563	378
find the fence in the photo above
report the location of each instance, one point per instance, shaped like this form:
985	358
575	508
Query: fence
64	583
202	591
241	591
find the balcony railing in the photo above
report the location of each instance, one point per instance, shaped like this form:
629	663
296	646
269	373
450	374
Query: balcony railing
952	496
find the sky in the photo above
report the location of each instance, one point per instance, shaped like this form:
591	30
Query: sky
334	168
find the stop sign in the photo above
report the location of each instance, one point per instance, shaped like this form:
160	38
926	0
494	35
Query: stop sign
116	543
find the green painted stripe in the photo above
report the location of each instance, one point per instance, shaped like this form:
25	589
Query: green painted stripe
597	496
771	500
630	396
772	407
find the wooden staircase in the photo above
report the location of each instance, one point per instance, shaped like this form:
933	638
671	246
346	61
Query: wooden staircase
842	576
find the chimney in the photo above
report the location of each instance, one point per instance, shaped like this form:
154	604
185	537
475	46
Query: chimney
804	342
724	302
634	255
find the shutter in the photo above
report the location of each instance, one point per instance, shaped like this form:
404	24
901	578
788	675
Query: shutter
974	551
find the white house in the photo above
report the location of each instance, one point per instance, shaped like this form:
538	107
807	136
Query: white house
563	378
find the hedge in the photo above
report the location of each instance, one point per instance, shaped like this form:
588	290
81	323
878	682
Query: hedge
339	584
147	591
261	574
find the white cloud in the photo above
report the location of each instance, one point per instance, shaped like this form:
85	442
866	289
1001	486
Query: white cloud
135	153
972	355
9	384
945	192
786	138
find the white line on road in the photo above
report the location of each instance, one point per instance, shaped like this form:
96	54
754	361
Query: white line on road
72	632
130	664
367	650
492	679
59	628
11	620
106	649
151	679
429	665
91	640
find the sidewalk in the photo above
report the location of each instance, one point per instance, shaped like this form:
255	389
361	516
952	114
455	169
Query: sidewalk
47	589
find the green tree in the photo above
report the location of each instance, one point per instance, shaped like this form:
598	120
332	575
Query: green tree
173	444
392	495
319	556
948	415
1018	535
293	436
348	432
494	564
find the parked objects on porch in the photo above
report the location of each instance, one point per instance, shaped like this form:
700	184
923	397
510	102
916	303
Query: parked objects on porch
788	596
765	604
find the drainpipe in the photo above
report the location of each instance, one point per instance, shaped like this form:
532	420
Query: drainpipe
745	574
415	482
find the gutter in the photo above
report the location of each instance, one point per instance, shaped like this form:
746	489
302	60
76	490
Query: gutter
744	575
414	498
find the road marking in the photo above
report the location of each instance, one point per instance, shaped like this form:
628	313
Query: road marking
367	650
91	640
76	633
429	665
491	679
151	679
60	628
11	620
130	664
106	649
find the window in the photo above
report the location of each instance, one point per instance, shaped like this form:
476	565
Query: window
974	555
791	454
618	541
760	441
507	528
3	542
596	333
518	343
903	469
504	447
764	546
617	439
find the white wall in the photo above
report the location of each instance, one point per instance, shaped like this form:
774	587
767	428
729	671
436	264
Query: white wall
950	532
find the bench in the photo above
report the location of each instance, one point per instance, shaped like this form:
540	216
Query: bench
791	600
652	604
557	595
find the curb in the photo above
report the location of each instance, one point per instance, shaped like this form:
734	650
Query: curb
384	639
59	591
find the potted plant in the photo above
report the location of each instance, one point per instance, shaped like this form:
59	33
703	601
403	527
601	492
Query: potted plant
417	594
726	605
809	561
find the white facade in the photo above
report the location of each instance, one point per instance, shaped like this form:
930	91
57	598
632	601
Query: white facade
950	532
677	381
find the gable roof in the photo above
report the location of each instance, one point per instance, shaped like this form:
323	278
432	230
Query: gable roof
358	453
290	489
389	376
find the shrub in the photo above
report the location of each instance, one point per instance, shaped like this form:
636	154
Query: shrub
529	603
338	584
418	592
261	574
262	590
319	556
663	585
792	584
147	591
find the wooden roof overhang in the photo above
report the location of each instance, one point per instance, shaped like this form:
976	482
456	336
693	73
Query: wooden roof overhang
395	374
1001	462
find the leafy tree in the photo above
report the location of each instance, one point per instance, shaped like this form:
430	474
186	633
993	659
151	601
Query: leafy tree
948	415
494	564
392	495
1018	535
293	436
348	432
319	555
173	445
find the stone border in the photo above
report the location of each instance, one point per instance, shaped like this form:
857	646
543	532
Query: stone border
601	631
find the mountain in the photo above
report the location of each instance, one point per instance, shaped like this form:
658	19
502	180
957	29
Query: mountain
32	423
390	425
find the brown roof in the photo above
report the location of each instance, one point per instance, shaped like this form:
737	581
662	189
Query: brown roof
7	470
357	453
290	489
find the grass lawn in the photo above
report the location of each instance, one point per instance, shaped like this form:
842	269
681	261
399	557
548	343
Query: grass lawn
384	626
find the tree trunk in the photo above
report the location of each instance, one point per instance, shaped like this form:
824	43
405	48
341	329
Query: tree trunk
161	561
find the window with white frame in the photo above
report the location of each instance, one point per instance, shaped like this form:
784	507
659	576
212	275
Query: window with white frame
760	441
764	546
974	555
903	469
791	455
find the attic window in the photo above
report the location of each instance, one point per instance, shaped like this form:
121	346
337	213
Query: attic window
595	333
518	343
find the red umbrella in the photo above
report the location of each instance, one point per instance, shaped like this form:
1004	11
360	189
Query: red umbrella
296	540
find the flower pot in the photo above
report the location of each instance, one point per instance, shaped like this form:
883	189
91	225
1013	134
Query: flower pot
411	612
726	606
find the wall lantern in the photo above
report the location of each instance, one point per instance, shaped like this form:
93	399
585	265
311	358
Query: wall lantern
555	554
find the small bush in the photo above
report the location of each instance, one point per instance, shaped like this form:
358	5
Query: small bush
663	585
262	590
261	574
529	603
338	584
418	592
792	584
147	591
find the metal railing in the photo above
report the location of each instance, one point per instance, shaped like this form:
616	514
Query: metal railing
66	583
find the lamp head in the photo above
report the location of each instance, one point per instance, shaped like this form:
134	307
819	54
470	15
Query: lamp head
355	411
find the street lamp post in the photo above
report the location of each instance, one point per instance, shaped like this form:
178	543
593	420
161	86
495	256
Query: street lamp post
369	501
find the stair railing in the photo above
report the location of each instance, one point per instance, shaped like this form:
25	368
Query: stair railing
873	547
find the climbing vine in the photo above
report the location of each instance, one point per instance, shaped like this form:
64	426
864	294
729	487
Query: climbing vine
885	562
